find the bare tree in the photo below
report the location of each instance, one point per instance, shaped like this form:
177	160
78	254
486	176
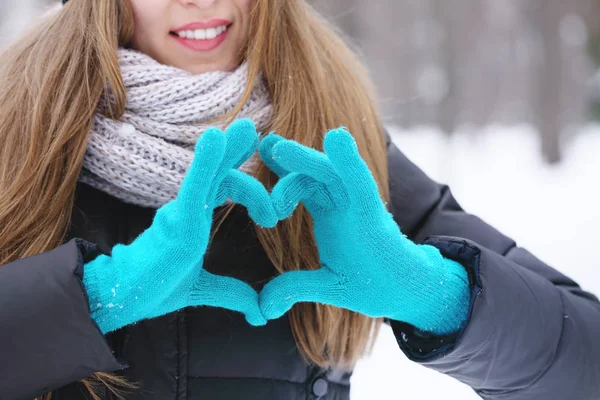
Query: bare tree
545	16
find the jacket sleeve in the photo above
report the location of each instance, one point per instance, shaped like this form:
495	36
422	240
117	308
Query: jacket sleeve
47	338
532	332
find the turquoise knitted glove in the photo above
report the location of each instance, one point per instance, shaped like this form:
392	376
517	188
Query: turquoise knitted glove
367	264
161	270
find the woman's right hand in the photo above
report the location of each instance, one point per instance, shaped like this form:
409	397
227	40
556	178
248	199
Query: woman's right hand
161	271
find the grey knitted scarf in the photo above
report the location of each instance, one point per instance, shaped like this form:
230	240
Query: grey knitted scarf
143	157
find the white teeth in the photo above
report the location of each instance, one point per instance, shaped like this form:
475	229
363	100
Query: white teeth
202	34
211	33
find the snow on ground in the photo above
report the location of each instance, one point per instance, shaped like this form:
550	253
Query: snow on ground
498	175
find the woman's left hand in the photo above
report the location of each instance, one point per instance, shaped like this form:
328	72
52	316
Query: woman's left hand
367	264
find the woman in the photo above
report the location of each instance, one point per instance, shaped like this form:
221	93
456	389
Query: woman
128	142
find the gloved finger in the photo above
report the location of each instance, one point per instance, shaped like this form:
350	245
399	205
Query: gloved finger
266	154
227	292
281	293
242	142
251	193
295	157
198	181
293	188
308	161
342	150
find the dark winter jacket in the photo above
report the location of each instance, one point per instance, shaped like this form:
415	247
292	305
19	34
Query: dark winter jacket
533	333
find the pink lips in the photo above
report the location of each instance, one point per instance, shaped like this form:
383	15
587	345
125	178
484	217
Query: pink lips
204	44
213	23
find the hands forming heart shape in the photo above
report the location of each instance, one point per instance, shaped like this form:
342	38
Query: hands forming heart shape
367	264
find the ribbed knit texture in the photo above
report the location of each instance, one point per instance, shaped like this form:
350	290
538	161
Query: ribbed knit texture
142	158
161	270
367	264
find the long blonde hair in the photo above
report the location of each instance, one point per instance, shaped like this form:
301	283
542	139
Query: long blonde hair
52	79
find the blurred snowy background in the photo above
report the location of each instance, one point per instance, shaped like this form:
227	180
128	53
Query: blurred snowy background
498	99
